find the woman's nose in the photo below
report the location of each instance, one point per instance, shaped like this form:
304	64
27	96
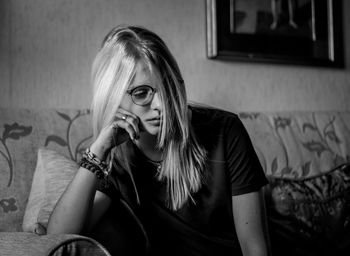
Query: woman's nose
156	103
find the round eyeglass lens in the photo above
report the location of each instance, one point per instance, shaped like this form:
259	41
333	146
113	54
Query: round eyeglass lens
142	95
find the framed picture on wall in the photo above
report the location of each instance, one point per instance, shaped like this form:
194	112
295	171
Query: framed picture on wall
301	32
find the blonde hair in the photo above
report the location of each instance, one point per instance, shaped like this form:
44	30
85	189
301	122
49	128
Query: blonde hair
112	72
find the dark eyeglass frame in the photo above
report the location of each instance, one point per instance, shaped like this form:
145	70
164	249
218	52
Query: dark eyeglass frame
150	97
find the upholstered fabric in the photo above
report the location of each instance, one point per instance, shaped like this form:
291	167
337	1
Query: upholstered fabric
313	211
299	144
22	132
293	145
52	175
29	244
289	144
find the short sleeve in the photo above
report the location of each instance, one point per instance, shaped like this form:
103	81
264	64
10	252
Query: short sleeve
245	171
107	187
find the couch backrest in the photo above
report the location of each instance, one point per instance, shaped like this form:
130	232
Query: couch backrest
289	144
22	132
298	145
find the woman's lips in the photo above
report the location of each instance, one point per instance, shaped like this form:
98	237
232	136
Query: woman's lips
154	121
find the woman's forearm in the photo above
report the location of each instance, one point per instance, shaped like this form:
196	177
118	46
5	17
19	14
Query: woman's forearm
75	205
250	221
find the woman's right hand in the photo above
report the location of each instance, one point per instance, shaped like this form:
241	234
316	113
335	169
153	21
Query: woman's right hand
124	126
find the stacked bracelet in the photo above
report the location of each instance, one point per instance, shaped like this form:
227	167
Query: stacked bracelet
94	159
95	165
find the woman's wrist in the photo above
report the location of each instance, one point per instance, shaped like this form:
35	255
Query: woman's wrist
99	151
94	164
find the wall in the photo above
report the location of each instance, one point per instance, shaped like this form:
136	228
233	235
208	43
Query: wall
47	46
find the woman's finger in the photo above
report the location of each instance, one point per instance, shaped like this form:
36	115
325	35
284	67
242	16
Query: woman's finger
131	120
130	129
135	124
124	124
120	135
127	113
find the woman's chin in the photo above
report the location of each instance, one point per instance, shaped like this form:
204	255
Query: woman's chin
153	130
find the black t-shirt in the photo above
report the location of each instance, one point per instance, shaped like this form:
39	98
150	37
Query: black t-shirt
206	226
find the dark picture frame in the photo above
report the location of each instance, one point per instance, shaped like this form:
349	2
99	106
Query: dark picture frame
304	32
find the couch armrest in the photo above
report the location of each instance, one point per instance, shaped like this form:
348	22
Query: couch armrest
30	244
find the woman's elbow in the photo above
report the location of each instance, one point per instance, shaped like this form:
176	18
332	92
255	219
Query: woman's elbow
57	227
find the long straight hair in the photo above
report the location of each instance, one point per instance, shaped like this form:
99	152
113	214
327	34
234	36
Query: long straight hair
112	72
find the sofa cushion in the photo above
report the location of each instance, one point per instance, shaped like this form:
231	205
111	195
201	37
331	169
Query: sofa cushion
16	136
22	132
299	144
310	216
52	175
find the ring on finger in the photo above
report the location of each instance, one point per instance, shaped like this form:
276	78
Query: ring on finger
124	117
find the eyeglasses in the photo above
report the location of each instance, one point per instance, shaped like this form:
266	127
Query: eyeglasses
142	95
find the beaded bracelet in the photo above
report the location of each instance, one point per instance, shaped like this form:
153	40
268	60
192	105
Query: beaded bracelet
92	168
94	159
93	164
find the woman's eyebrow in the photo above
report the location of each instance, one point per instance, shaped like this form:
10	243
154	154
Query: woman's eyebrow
139	85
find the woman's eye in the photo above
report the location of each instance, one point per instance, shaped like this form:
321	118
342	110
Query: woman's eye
140	93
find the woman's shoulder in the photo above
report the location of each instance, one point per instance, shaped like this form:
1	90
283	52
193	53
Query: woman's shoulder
215	127
202	114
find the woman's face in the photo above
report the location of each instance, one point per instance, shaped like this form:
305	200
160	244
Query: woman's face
150	114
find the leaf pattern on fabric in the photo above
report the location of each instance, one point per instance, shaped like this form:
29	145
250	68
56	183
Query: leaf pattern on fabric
64	116
306	169
274	165
286	170
282	122
309	126
12	131
15	131
328	133
301	144
315	146
57	139
8	205
332	136
74	153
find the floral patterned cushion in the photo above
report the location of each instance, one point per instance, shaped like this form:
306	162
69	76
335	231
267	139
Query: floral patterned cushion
299	144
22	133
311	216
294	145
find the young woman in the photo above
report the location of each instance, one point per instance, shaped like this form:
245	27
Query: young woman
188	175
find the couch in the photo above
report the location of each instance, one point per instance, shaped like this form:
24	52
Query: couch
305	156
